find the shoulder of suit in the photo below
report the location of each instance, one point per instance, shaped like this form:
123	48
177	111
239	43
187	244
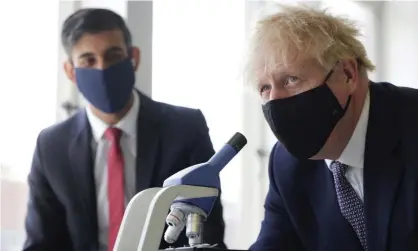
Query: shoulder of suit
166	110
407	99
165	107
408	110
60	130
181	115
408	121
280	154
279	149
407	94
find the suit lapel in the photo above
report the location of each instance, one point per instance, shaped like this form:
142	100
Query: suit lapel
80	156
147	142
382	164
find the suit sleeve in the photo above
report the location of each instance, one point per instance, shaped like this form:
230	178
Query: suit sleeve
203	150
45	224
277	232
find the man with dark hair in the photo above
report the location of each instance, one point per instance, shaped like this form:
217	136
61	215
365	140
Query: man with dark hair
87	168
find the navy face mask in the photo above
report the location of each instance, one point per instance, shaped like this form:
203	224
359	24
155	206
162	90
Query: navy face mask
303	123
110	89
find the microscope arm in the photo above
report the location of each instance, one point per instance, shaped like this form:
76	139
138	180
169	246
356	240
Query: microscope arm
133	221
144	220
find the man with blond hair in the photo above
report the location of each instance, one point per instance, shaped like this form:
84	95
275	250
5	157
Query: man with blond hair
343	175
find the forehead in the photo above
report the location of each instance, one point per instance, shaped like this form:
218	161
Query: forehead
98	43
292	65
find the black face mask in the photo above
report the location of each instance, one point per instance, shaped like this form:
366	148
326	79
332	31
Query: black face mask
303	123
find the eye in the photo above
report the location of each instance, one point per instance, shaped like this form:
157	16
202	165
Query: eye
263	88
114	57
292	80
87	61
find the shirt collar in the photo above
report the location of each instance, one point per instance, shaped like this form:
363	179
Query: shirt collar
127	124
353	154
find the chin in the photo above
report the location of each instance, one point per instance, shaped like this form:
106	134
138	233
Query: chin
320	156
316	158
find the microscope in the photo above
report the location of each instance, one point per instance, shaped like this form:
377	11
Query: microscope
188	196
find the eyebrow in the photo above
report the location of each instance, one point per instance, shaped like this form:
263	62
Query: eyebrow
112	49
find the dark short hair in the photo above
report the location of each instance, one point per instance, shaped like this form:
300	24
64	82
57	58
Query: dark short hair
92	20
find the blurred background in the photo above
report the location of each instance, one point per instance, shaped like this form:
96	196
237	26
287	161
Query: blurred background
192	52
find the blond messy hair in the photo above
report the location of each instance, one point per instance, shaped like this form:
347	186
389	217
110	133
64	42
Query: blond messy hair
302	32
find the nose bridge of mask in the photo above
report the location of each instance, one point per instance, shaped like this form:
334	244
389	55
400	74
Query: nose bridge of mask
116	76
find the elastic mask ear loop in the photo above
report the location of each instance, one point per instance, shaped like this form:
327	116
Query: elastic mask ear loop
130	56
348	100
347	104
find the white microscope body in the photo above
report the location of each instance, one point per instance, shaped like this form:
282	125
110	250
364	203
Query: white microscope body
145	216
189	195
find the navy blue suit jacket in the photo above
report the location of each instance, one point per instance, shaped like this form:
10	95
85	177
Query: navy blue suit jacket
62	212
301	207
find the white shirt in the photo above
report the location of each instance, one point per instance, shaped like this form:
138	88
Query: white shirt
353	154
100	148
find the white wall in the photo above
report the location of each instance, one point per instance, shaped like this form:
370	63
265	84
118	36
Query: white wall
28	85
28	93
400	43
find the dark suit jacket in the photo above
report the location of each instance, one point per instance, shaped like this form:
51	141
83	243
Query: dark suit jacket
301	208
62	212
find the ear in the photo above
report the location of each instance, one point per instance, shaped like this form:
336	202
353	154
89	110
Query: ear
136	57
69	71
350	68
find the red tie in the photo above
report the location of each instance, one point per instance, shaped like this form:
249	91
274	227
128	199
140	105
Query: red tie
115	184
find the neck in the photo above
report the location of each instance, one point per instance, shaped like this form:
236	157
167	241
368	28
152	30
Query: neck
343	131
113	118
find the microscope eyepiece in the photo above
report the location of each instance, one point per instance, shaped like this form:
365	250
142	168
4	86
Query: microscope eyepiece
238	141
